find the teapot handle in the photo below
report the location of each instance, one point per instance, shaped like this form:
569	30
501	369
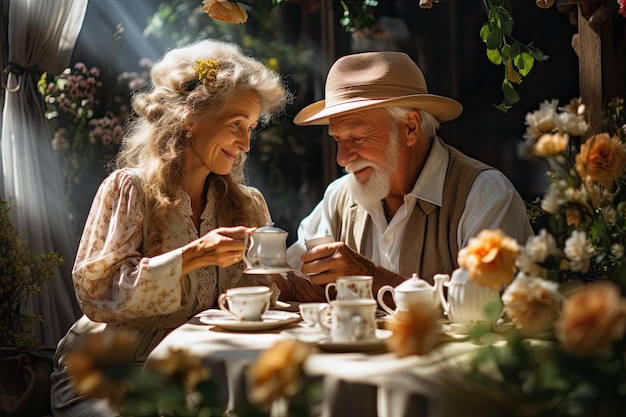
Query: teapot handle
246	247
440	281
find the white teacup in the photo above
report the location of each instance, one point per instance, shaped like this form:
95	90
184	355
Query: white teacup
352	320
314	314
245	303
351	287
318	240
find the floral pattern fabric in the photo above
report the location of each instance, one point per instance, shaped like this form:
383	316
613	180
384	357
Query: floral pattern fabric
128	268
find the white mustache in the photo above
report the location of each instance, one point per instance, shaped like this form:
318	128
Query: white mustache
355	166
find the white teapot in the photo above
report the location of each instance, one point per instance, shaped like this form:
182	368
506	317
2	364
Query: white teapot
265	250
466	299
412	290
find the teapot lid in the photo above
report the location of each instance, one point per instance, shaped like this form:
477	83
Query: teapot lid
414	283
269	228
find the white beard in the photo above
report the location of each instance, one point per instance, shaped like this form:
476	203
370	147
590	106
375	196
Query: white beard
377	186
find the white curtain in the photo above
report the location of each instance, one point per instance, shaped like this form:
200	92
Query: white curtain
42	35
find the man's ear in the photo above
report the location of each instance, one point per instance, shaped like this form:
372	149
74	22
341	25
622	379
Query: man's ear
412	125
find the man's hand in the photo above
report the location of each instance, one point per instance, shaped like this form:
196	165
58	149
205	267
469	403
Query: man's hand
325	263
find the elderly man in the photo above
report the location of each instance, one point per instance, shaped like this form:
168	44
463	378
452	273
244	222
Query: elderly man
408	202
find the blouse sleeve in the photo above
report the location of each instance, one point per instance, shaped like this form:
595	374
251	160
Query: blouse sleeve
113	281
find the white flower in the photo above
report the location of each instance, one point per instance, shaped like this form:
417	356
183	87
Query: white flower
532	303
539	247
571	123
552	201
577	252
542	120
617	250
609	214
526	265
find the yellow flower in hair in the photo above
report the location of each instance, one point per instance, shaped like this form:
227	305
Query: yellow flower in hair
207	71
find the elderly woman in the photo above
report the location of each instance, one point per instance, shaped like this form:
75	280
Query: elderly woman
166	230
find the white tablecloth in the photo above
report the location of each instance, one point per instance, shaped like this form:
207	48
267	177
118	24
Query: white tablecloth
354	384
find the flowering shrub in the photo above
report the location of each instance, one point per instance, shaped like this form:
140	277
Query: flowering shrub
585	202
102	367
81	138
86	120
566	352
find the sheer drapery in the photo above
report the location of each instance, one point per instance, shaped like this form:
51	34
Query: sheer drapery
41	37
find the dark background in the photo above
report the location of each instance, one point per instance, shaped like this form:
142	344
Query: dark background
444	41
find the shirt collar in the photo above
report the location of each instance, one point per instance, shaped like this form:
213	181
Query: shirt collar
429	184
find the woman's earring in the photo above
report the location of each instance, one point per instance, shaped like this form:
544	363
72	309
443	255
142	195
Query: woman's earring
188	134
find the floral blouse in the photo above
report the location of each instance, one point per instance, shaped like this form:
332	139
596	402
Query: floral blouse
127	271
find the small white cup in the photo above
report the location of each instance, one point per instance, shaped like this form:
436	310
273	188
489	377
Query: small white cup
352	320
351	288
318	240
314	314
245	303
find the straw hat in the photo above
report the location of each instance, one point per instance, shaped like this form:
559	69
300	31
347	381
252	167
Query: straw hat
372	80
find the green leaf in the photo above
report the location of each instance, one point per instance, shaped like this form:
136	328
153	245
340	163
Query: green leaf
494	17
494	39
508	26
494	56
510	95
484	32
537	53
524	63
505	51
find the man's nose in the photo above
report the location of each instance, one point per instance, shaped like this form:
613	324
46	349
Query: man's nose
345	154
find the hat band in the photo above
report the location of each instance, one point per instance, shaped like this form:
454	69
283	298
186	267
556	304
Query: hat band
370	92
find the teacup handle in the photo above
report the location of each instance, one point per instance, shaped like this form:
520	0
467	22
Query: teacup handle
442	280
380	297
328	287
324	312
221	303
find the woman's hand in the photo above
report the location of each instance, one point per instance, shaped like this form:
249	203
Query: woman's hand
222	247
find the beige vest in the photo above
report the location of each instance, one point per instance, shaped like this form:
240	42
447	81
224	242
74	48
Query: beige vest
430	242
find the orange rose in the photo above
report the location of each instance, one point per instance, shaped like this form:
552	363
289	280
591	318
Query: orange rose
551	144
182	364
415	331
601	159
276	372
225	11
592	319
490	258
544	4
90	363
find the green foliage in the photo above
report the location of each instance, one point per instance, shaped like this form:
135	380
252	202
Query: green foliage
535	377
357	14
21	274
516	58
502	49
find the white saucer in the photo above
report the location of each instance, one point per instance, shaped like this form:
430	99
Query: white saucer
321	338
272	319
267	270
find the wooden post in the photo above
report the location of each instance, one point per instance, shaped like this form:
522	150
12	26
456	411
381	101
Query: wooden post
598	64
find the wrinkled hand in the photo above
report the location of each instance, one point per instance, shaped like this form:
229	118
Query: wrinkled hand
325	263
222	247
